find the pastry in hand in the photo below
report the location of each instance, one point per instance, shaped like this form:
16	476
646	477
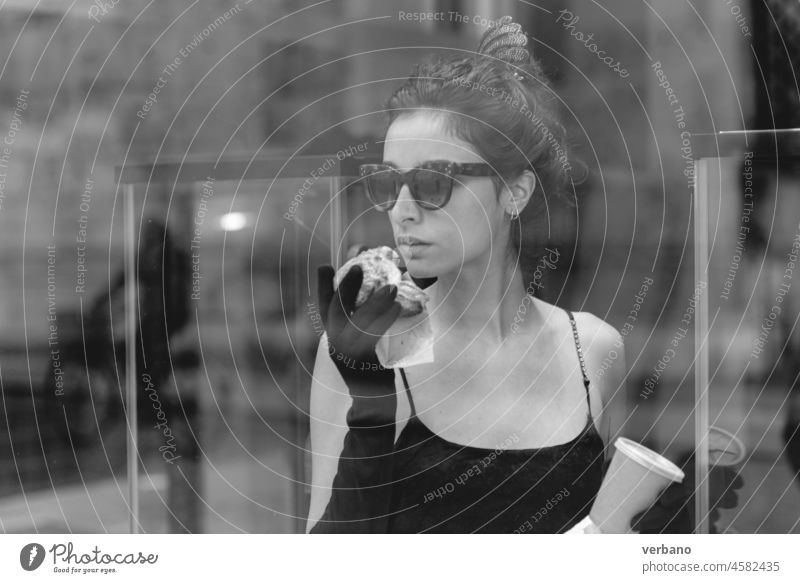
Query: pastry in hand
380	266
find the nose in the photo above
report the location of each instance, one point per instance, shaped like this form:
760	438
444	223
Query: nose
405	208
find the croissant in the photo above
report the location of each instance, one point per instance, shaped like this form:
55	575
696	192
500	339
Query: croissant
380	266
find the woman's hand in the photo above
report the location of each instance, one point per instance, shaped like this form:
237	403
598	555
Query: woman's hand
673	512
352	337
353	333
361	489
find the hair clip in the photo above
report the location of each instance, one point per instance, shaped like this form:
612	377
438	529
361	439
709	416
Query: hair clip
505	41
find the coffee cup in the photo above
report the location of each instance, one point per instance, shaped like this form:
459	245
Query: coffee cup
634	479
724	448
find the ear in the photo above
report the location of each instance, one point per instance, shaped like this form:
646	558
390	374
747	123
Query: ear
515	194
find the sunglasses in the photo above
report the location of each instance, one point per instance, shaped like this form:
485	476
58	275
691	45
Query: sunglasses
430	184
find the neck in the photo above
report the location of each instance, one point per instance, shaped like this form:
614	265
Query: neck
483	298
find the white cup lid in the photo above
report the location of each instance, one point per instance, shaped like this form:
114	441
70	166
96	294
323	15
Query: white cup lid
724	448
653	461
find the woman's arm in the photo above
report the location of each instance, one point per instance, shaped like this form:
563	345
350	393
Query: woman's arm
352	442
607	370
673	511
616	411
360	493
328	409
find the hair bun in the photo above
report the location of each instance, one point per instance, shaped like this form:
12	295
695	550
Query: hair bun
505	40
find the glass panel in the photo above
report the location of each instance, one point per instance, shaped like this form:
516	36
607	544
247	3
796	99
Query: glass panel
223	443
63	467
753	244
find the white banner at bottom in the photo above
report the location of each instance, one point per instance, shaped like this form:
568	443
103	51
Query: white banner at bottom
387	558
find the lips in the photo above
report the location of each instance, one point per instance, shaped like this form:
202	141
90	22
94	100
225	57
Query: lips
411	248
410	241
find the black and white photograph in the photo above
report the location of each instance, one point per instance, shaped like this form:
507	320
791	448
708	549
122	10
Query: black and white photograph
275	267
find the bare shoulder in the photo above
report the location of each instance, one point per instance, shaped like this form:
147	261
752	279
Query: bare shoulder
601	343
596	331
596	335
603	352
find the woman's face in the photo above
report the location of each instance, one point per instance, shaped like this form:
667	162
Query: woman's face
463	232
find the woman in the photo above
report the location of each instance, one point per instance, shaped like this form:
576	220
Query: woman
502	432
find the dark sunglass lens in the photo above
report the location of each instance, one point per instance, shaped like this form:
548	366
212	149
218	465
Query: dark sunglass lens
432	187
382	188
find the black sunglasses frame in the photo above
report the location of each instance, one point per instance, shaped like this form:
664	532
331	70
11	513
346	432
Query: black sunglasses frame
444	167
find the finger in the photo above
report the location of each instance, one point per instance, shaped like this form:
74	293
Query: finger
680	524
722	474
723	488
350	285
726	494
674	495
383	322
652	519
344	301
729	481
647	518
636	519
381	310
369	322
376	304
728	499
677	522
325	275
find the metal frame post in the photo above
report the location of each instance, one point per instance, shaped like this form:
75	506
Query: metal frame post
130	357
701	264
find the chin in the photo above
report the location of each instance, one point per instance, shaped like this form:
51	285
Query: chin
419	268
423	281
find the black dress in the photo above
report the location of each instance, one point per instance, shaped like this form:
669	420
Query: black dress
441	486
429	484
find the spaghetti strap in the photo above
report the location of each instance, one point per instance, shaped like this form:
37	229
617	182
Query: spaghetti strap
580	357
408	392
